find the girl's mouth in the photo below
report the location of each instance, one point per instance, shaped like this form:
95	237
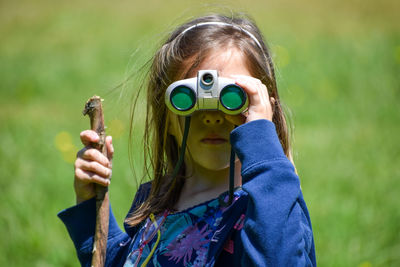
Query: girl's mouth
213	140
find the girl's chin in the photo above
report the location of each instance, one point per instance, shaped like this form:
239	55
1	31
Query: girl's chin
214	142
216	160
215	165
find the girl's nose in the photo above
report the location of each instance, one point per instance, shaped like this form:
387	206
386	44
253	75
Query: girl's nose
213	118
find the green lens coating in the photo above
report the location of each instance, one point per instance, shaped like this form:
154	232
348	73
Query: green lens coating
183	98
232	97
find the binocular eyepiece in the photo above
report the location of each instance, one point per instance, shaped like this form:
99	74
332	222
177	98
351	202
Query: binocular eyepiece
206	92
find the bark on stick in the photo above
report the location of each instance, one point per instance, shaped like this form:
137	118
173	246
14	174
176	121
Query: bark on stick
94	109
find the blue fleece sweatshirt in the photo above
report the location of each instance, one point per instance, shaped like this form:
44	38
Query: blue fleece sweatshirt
276	230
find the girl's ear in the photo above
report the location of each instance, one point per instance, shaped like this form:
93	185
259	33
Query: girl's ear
174	127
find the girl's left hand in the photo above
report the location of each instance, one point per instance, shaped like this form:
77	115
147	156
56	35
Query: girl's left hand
260	104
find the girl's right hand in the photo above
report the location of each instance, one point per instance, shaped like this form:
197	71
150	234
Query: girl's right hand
91	166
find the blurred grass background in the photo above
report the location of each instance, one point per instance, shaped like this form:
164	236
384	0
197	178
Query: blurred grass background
338	71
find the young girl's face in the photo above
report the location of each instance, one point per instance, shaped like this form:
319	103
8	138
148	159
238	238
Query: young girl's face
208	140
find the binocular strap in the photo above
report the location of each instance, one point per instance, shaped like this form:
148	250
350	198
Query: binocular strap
183	148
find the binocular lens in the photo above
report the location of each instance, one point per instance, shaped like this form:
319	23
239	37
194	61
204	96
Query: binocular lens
207	79
183	98
232	97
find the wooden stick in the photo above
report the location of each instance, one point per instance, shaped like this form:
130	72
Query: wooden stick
94	109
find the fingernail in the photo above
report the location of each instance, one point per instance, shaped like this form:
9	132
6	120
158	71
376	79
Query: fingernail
95	137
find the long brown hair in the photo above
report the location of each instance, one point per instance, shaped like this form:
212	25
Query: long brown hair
178	56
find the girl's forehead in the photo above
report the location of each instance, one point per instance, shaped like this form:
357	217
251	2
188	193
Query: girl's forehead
226	62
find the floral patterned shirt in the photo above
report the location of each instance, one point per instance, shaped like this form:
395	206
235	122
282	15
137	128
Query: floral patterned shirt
185	237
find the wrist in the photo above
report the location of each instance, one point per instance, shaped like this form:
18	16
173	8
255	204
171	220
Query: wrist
255	117
83	197
79	200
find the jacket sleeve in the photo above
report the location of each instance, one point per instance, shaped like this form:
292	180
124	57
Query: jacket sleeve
80	221
277	230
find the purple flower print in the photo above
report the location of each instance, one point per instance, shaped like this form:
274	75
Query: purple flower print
190	239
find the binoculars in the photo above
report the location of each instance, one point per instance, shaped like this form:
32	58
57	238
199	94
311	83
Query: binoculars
206	92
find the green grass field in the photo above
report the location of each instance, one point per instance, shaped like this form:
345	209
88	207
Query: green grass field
338	67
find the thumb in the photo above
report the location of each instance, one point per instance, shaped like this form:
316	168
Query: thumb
110	148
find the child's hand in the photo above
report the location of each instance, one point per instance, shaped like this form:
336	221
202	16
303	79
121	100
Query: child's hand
260	104
91	166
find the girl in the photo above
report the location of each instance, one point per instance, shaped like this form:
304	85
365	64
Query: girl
187	218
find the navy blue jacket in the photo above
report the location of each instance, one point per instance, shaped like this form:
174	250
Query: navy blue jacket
277	228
